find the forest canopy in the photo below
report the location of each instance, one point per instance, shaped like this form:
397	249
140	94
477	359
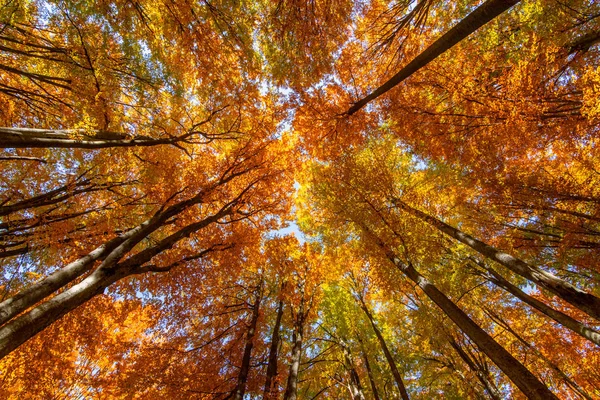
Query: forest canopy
299	199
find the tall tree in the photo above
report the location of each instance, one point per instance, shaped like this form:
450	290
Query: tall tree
240	389
273	353
383	344
481	16
580	299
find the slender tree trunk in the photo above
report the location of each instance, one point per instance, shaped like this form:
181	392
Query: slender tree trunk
291	390
585	302
240	389
18	331
370	374
481	375
584	42
273	353
386	351
40	290
563	319
516	372
481	16
14	252
110	252
58	195
354	385
496	318
22	328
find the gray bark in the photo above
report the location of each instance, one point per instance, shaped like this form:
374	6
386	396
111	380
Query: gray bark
273	354
481	16
240	388
563	319
481	375
291	390
386	351
585	302
496	318
514	370
64	138
354	385
371	377
56	196
18	331
40	290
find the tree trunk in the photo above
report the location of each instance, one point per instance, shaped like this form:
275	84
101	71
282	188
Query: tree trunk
496	318
22	328
371	377
516	372
240	389
47	138
481	375
481	16
369	371
354	385
386	351
563	319
291	390
273	350
585	302
18	331
111	252
58	195
40	290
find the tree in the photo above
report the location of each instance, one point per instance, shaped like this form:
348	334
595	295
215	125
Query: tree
273	353
240	388
481	16
384	347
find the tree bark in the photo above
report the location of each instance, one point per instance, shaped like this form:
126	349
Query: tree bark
291	390
49	138
273	355
40	290
56	196
17	332
370	374
496	318
113	251
481	375
22	328
563	319
354	385
475	20
585	302
516	372
386	351
240	389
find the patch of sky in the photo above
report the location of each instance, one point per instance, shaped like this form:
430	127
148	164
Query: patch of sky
291	227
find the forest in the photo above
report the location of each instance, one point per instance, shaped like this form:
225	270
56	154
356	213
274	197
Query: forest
300	199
